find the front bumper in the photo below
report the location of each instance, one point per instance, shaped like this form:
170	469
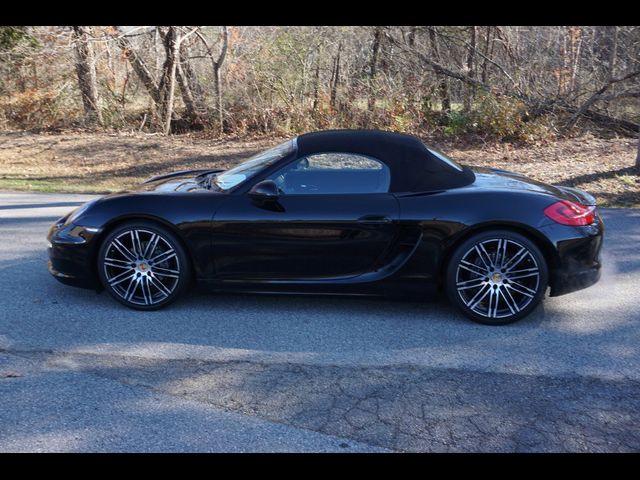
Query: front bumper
71	253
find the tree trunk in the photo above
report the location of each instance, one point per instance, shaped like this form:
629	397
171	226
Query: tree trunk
335	78
34	77
316	81
168	82
411	36
488	51
614	53
576	45
470	94
140	67
192	79
216	65
217	87
192	87
193	112
86	70
638	156
443	86
193	101
187	94
596	96
375	48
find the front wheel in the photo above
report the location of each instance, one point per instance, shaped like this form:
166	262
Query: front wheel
143	265
496	277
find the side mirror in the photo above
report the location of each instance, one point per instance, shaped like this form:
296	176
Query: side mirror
265	190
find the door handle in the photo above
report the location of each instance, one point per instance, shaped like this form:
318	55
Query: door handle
374	219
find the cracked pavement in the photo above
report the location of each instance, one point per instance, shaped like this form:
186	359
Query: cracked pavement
401	408
78	372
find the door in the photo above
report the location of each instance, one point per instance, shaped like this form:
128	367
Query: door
334	218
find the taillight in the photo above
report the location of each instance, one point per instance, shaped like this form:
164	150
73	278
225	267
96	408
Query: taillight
570	213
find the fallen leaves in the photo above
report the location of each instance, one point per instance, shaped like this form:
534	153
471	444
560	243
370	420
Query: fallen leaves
107	162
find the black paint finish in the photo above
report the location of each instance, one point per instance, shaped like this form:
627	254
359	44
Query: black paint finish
383	243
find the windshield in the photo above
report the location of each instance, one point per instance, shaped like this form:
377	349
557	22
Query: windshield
441	156
247	169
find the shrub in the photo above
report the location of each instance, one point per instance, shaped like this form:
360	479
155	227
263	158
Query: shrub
457	123
35	108
507	119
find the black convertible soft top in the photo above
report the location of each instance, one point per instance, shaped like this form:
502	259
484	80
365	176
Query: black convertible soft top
413	167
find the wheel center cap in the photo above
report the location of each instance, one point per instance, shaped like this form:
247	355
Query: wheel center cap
143	267
496	278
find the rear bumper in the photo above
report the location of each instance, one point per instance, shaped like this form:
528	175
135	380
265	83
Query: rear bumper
573	281
579	260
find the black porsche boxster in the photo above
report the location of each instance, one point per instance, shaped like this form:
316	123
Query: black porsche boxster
339	212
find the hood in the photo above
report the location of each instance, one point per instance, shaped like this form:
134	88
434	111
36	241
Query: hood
179	181
502	179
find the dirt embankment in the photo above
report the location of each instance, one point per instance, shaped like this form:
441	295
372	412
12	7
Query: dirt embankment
102	162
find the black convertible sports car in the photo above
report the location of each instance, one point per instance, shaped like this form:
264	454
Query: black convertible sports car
341	212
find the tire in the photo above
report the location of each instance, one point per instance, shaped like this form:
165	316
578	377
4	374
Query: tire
143	265
483	281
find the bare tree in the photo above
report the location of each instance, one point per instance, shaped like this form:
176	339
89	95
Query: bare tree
138	64
597	95
192	107
275	76
375	48
335	77
187	94
216	65
488	51
195	87
471	68
86	71
316	80
171	43
443	87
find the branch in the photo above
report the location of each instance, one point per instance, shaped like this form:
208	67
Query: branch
438	68
206	44
139	66
615	96
187	35
500	67
223	49
597	96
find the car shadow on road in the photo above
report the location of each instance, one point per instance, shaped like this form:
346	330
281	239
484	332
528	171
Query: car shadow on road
406	375
401	404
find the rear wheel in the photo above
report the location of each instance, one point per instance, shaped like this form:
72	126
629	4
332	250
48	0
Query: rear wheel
143	265
496	277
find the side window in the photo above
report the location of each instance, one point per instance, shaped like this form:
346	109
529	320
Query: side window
333	173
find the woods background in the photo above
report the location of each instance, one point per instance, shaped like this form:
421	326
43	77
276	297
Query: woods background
522	86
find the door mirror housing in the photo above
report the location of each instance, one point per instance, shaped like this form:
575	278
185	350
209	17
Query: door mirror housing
265	190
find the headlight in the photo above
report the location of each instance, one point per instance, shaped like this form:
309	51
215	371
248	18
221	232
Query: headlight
79	211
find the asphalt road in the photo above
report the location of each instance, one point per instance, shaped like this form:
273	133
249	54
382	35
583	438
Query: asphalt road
80	372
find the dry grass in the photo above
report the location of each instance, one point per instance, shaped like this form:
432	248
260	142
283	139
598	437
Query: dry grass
102	162
603	167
